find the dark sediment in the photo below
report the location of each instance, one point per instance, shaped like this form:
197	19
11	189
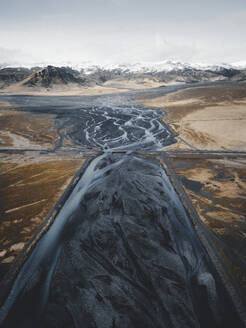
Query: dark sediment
127	256
122	251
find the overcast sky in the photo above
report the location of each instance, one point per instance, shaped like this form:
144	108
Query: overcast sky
105	31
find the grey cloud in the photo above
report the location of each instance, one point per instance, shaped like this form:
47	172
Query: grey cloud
123	30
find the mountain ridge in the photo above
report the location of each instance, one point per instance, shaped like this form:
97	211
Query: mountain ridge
51	75
141	66
118	76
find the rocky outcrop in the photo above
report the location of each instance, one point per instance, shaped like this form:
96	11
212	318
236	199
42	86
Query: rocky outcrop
51	75
11	75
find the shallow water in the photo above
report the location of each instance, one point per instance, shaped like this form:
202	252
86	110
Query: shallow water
122	251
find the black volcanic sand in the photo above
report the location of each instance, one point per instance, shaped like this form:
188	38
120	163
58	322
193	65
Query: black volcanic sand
77	114
128	257
106	127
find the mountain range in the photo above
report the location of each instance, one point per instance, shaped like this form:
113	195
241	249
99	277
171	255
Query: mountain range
140	74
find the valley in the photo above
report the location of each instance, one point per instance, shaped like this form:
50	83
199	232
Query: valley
124	209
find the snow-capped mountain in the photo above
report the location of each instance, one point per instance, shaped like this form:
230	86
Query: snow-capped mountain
152	67
137	67
87	74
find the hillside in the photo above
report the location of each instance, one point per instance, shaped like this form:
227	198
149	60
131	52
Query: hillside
50	76
108	79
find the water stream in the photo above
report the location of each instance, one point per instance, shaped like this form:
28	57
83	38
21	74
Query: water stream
122	251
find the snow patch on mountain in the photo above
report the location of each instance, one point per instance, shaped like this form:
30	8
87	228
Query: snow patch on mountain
138	67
